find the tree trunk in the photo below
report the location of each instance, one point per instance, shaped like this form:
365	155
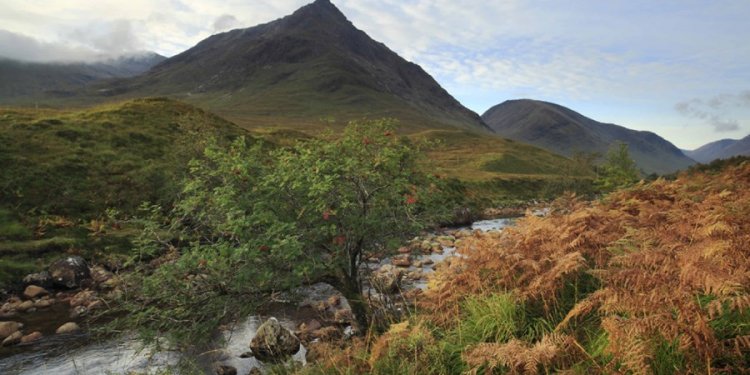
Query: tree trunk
350	288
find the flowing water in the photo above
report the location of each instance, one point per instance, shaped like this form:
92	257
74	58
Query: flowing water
76	354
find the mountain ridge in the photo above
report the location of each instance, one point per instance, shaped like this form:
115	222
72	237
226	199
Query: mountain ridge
565	131
721	149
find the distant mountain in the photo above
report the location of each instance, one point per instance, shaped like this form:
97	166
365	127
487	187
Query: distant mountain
564	131
314	63
723	149
21	80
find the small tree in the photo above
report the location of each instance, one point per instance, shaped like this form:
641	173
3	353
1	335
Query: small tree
352	196
619	170
250	221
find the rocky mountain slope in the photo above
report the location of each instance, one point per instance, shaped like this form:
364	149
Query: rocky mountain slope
564	131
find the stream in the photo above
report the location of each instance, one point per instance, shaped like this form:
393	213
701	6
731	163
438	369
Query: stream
76	354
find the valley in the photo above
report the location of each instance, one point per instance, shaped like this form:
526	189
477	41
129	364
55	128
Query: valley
296	197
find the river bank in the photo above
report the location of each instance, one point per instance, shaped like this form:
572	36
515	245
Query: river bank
322	314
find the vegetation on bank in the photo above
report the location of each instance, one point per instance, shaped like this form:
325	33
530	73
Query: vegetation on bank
651	279
249	222
62	170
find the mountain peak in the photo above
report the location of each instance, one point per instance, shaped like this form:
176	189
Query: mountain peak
320	9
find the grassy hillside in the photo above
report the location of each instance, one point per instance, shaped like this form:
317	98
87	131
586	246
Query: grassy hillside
650	280
118	155
63	169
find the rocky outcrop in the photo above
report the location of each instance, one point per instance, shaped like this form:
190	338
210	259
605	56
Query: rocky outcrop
272	342
69	272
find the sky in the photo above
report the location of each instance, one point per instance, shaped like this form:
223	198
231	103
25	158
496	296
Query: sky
679	68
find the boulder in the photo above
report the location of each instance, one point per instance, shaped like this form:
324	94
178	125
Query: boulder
13	339
33	291
404	250
8	328
70	327
387	279
272	342
69	272
31	337
42	279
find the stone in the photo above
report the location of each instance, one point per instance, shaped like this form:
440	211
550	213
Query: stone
311	325
13	339
8	328
83	298
43	303
69	272
42	279
255	371
69	327
427	261
246	355
404	250
33	291
31	337
401	261
25	305
334	300
101	275
272	342
387	279
225	370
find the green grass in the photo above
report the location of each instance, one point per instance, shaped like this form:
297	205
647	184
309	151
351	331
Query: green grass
74	165
117	155
34	247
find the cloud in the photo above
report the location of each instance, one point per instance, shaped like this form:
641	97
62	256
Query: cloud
715	110
116	37
225	22
21	47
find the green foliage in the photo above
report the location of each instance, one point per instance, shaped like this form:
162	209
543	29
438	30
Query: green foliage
619	170
668	358
249	222
495	318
